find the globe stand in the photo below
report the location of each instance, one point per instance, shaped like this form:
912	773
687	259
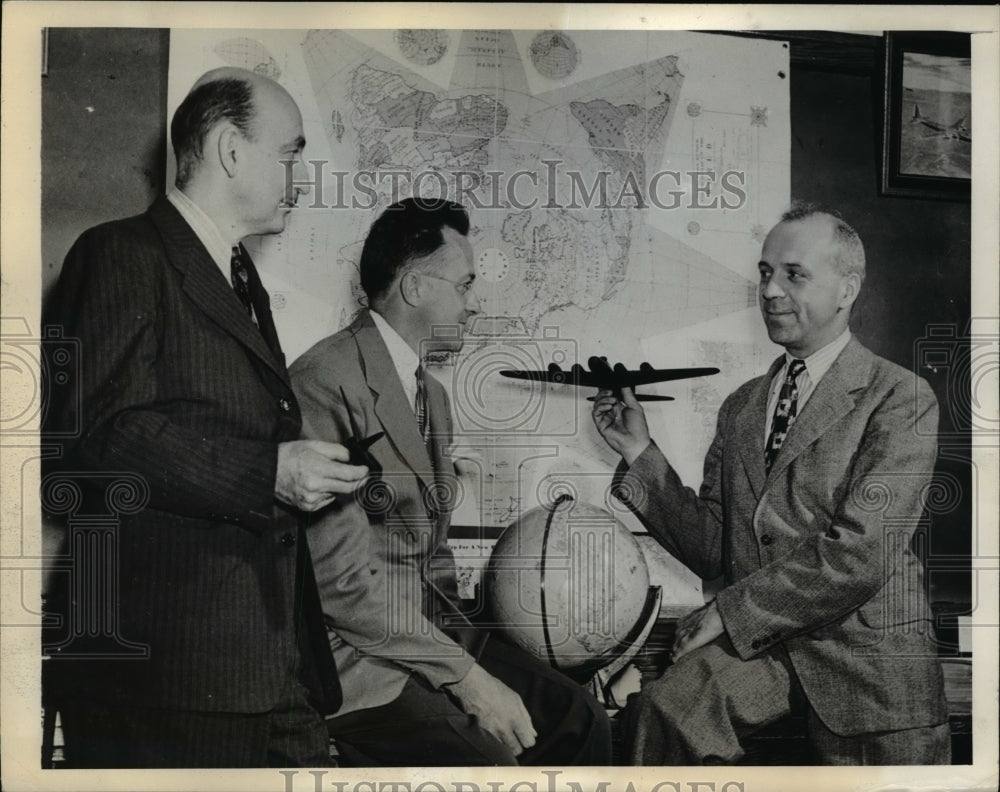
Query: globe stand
551	588
610	663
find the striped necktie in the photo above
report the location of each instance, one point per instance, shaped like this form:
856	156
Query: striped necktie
422	409
784	412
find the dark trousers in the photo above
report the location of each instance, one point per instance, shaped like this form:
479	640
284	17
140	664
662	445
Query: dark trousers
99	734
696	713
425	727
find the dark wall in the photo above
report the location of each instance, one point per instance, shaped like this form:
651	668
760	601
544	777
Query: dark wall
104	105
918	276
918	251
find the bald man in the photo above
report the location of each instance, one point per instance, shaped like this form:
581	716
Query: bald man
183	392
812	492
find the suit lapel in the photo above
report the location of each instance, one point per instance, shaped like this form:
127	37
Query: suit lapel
392	408
829	402
208	289
749	434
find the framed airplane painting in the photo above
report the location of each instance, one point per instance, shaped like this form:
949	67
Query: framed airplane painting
927	126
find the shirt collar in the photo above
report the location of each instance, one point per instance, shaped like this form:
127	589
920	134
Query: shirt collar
218	247
819	362
404	359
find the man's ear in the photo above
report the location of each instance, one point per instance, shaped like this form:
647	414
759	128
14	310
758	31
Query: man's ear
228	148
411	288
850	287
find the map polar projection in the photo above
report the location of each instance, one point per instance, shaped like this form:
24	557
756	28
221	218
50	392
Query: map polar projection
619	185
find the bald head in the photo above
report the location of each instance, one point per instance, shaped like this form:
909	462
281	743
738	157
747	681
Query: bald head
848	253
811	267
225	94
226	73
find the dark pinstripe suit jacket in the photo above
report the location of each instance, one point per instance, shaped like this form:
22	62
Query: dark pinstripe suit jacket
177	386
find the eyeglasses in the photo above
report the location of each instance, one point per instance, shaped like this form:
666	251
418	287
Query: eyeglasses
462	287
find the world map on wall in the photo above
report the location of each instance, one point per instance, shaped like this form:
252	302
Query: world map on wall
486	127
617	191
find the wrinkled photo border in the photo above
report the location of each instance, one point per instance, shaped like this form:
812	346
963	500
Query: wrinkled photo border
23	64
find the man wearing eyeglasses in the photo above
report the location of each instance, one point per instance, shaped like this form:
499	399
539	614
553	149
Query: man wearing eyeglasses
421	685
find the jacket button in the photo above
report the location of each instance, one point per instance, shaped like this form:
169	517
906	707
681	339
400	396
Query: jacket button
288	540
285	405
766	539
755	644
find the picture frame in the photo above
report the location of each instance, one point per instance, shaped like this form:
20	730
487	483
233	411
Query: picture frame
927	124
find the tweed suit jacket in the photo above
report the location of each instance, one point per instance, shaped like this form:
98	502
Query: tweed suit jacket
386	578
816	554
178	388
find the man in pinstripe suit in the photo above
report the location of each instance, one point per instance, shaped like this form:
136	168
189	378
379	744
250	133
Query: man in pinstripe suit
183	389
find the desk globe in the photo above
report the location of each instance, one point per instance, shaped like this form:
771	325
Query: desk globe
569	584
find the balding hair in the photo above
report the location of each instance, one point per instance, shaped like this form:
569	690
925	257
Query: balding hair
849	258
220	95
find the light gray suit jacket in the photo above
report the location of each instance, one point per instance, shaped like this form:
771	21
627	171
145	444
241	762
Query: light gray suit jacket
387	581
816	554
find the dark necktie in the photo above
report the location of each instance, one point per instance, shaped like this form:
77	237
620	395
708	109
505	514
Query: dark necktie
423	412
241	279
420	405
784	412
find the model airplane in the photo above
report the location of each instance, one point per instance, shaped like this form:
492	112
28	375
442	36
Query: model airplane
604	377
957	131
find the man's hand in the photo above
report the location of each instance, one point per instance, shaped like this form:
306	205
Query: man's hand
622	423
311	473
497	708
697	629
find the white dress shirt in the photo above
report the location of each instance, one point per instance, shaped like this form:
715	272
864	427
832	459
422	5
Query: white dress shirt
218	247
404	359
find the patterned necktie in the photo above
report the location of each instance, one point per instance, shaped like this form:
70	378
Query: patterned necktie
241	280
420	406
784	412
423	413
